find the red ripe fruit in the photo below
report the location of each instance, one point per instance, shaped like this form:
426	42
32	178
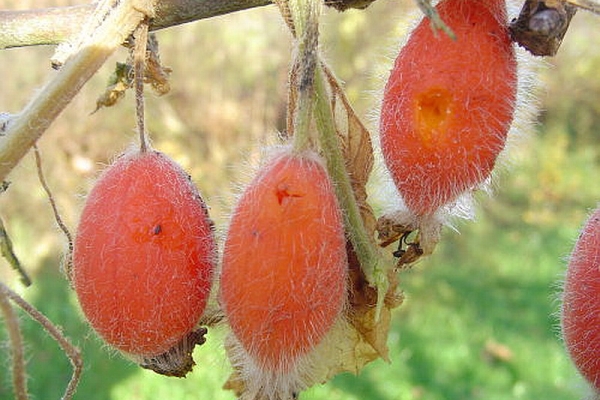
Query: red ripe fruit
581	302
144	255
448	104
284	273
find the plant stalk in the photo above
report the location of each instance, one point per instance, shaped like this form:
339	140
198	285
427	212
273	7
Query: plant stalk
305	15
55	25
367	253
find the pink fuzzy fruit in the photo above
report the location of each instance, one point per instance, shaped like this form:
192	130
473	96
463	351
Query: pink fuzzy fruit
284	274
448	104
144	255
581	302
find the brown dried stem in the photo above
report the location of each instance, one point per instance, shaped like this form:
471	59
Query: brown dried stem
19	375
59	221
139	63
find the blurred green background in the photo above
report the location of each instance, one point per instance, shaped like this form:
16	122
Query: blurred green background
479	321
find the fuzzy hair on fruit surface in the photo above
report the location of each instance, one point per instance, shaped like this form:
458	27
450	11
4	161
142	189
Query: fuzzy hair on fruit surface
283	278
383	189
580	313
144	255
448	105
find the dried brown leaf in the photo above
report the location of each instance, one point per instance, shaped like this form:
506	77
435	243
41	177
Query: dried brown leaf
357	147
363	312
120	80
155	74
235	383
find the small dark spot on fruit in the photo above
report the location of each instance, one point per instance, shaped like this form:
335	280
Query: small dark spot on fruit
157	230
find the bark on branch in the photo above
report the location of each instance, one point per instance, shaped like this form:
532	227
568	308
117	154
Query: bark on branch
55	25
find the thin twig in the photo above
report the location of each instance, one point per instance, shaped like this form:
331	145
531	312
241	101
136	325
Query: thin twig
7	251
19	375
82	63
139	64
72	352
59	221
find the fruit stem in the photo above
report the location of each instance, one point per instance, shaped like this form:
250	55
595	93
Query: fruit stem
68	263
305	16
367	253
139	62
435	20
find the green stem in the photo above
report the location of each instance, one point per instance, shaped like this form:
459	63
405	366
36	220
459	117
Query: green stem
305	15
367	253
303	115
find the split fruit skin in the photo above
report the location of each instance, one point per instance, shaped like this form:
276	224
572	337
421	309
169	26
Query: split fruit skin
144	255
448	104
283	281
581	302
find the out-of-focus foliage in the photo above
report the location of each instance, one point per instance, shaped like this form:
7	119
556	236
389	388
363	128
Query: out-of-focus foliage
573	83
491	286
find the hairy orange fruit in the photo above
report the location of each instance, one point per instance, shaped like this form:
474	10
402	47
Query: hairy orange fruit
581	302
448	104
144	255
284	262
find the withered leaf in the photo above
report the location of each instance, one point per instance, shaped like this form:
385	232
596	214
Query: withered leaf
120	80
178	360
357	147
155	74
363	311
